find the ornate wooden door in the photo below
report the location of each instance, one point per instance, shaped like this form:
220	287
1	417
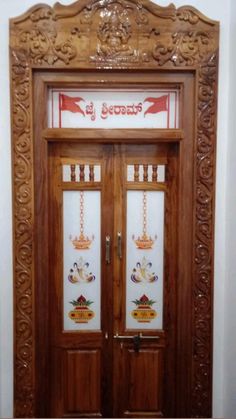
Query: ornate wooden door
109	298
112	280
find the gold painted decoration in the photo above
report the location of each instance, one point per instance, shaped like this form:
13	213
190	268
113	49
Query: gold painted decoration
79	272
81	312
144	242
144	313
142	272
82	242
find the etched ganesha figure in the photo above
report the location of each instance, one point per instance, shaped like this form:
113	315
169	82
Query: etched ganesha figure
114	32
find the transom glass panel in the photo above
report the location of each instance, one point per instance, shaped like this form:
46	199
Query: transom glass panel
117	108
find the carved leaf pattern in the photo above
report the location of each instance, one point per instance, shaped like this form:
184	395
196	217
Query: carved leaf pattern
183	48
23	191
40	44
205	162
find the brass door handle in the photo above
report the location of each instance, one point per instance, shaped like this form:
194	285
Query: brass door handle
119	245
108	250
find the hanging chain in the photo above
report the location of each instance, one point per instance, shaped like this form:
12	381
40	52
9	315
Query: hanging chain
81	213
144	214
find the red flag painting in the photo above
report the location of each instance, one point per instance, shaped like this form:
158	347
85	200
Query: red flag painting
159	104
69	103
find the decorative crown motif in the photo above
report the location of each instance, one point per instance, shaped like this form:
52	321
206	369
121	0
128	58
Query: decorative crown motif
144	242
81	242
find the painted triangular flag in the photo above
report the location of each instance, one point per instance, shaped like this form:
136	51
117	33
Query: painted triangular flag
159	104
69	103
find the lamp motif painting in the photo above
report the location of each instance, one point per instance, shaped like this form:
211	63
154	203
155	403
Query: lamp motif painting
144	241
82	242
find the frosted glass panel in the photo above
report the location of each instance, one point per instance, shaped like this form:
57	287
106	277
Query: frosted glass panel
82	260
144	265
120	108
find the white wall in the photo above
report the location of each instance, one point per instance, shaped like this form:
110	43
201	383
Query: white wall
224	399
229	394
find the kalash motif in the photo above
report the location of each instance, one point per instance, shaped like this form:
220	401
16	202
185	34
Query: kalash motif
144	313
82	242
144	242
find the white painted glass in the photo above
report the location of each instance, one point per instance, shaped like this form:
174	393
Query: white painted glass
144	263
82	260
120	108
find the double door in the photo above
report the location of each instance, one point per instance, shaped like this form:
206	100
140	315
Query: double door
113	276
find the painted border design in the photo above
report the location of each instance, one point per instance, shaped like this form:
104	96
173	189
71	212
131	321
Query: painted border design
37	42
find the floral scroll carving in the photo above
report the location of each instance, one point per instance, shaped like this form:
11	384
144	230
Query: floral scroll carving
202	297
23	220
113	34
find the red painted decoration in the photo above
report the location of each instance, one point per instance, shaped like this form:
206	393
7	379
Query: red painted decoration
159	104
68	103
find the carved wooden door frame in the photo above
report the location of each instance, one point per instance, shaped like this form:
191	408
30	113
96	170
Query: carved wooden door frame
155	38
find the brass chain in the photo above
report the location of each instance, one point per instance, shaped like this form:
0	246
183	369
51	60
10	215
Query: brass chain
144	213
81	213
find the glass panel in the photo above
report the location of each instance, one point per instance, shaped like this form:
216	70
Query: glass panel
80	108
82	260
144	265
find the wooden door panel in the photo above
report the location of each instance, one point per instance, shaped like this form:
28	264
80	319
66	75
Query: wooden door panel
82	382
143	373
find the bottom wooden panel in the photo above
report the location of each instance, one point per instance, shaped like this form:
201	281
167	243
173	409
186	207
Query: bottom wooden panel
144	375
82	383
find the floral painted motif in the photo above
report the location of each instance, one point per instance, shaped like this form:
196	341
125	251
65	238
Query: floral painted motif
81	312
79	272
144	313
142	272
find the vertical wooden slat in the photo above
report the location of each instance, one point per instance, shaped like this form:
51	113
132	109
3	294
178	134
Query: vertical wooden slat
154	172
72	173
81	172
136	172
91	173
145	172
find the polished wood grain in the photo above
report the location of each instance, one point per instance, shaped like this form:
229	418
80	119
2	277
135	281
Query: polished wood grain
82	375
182	52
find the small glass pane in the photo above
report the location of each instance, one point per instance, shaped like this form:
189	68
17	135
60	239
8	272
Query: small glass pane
144	265
82	260
120	108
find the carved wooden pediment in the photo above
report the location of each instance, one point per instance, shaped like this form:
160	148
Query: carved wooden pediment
113	34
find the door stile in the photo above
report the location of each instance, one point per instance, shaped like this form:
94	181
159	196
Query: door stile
171	279
118	282
55	271
107	226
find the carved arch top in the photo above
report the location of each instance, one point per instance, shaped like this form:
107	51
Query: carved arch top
115	33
